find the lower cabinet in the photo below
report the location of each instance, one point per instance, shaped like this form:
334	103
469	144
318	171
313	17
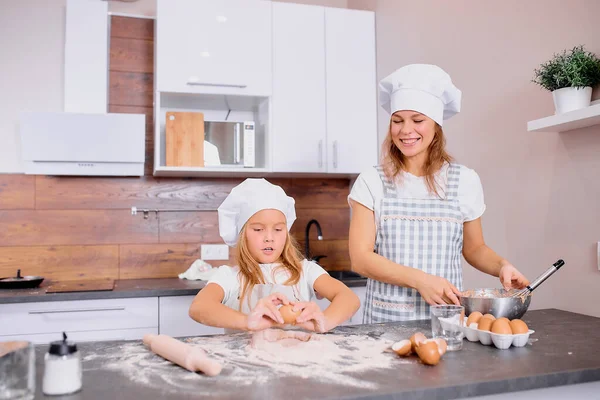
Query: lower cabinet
83	320
112	319
175	321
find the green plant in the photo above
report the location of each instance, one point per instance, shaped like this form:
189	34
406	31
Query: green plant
577	68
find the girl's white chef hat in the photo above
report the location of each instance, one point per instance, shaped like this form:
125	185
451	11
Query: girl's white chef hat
248	198
424	88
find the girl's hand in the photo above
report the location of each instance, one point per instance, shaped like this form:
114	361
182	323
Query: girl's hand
266	314
437	290
311	318
511	278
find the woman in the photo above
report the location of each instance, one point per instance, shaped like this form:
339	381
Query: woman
413	215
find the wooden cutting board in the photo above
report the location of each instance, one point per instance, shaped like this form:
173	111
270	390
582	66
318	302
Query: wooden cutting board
81	286
184	139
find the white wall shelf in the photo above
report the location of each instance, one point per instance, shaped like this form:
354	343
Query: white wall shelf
569	121
229	171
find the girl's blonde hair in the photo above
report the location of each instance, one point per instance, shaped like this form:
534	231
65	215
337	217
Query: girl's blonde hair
394	161
250	272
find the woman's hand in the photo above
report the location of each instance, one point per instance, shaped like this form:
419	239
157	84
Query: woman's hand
311	318
437	290
266	314
511	278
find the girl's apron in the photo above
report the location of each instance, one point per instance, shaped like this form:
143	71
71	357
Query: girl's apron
426	234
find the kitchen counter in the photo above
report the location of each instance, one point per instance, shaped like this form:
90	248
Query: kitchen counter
565	352
127	288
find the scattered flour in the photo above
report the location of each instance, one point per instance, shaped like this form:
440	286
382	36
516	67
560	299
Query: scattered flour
332	359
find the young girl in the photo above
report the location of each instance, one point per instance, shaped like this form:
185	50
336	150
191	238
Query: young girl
256	218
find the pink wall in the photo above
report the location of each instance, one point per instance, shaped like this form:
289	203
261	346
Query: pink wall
542	189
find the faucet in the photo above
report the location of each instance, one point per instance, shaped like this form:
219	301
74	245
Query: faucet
306	240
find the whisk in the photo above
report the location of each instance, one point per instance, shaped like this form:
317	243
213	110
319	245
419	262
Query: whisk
538	281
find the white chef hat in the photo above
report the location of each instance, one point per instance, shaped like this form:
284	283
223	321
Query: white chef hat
424	88
248	198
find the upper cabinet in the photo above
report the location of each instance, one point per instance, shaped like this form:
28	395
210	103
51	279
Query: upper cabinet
301	77
299	97
324	90
207	46
351	90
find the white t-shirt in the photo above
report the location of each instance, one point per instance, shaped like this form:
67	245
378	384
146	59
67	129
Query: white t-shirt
368	190
228	278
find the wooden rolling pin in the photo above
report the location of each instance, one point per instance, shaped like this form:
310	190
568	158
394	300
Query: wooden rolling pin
191	358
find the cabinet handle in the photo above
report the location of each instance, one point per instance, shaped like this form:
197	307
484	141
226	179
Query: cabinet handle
77	310
335	154
321	153
229	85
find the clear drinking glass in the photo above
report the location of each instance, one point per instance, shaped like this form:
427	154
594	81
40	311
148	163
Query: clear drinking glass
17	369
446	323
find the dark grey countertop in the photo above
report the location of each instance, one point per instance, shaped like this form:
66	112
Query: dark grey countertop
125	288
566	352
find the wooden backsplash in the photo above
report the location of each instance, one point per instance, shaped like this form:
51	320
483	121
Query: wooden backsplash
66	228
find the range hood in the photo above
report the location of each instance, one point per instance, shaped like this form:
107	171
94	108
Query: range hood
59	143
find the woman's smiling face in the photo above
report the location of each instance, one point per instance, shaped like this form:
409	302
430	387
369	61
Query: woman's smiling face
412	132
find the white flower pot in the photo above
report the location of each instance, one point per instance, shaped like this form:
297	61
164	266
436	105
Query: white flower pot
571	98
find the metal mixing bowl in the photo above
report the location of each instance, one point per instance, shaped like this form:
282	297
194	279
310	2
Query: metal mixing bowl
495	302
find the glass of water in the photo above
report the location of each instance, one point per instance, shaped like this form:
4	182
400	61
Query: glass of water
17	369
446	323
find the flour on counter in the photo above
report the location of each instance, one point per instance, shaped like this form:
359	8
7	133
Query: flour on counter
333	359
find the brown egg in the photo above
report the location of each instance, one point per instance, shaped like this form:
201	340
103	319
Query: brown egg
485	324
501	326
440	343
474	317
288	314
416	340
517	326
489	316
429	353
402	348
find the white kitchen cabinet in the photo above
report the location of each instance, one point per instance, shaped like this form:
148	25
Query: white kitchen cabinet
324	90
207	46
351	90
299	108
175	321
106	319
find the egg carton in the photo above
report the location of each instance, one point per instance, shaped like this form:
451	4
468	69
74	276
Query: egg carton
486	337
500	341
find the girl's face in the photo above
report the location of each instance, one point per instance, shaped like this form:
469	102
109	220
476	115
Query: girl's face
412	132
266	234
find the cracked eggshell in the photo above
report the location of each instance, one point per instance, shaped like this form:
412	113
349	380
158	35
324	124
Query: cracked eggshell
402	348
288	314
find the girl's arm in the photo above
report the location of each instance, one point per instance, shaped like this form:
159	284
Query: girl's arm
480	256
344	302
207	309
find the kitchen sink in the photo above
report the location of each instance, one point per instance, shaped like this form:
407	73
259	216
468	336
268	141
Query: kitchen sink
345	275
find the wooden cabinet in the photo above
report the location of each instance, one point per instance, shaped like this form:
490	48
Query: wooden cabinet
324	90
207	46
175	321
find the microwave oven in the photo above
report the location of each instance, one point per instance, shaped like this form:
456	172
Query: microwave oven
229	143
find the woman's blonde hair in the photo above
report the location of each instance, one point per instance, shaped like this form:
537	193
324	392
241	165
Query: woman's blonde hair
250	272
394	161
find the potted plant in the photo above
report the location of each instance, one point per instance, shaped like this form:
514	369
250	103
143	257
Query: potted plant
570	77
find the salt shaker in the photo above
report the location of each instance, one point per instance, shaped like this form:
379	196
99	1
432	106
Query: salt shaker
62	368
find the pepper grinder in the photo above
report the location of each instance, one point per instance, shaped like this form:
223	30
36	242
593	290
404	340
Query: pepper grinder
62	368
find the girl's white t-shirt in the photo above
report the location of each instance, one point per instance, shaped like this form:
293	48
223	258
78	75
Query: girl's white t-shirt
228	278
368	190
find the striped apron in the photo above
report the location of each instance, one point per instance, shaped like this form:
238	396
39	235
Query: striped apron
426	234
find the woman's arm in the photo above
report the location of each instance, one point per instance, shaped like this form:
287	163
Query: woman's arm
480	256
